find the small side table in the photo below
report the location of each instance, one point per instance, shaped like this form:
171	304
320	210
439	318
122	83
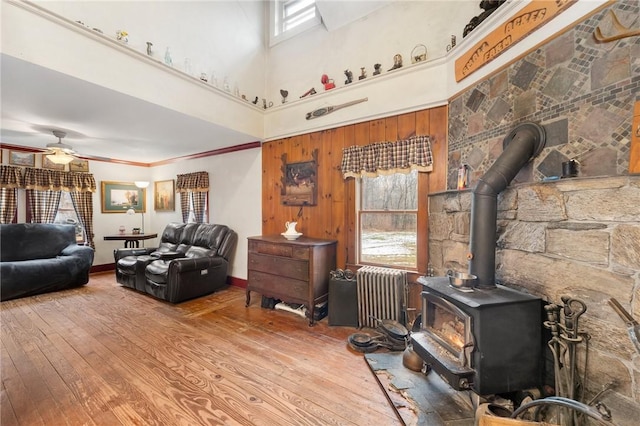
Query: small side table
130	240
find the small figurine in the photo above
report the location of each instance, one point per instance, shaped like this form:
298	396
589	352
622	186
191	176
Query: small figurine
311	91
167	58
328	83
203	76
149	52
255	101
363	74
284	94
397	62
349	75
376	69
225	85
453	43
121	35
266	105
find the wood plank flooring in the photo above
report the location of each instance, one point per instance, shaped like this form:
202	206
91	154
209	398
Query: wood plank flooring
103	354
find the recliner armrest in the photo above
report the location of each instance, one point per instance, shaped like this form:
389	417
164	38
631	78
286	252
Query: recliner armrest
167	255
120	253
196	263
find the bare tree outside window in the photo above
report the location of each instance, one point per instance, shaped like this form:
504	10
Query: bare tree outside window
388	220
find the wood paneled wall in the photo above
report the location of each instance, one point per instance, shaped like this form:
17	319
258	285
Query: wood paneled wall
334	216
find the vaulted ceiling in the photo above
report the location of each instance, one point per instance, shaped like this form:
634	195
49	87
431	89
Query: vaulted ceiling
103	123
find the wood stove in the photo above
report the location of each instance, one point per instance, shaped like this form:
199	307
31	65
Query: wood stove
486	337
485	340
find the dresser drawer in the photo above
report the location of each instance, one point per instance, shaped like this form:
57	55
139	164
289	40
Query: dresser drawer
286	267
283	250
276	286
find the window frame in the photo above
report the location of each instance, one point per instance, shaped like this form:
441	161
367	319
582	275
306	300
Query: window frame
359	212
277	31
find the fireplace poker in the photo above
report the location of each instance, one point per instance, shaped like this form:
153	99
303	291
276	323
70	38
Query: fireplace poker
571	315
633	328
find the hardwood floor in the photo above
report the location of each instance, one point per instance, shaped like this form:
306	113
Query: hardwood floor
103	354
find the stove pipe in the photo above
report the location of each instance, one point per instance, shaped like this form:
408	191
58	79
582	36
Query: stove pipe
520	146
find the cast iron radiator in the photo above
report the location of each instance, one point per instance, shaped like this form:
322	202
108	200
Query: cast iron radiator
382	294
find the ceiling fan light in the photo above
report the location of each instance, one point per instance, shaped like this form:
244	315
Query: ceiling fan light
60	157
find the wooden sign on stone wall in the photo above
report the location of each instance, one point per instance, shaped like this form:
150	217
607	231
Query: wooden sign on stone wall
531	17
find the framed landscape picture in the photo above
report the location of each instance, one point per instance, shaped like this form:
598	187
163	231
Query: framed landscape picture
118	197
79	166
18	158
164	196
48	164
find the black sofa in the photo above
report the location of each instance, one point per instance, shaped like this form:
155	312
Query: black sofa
38	258
192	260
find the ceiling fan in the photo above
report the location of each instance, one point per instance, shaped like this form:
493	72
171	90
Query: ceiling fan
59	153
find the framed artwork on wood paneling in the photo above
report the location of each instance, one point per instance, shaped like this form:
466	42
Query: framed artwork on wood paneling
299	182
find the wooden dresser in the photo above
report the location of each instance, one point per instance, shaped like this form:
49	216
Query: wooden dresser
292	271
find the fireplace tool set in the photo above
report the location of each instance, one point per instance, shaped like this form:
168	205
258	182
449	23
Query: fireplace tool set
563	323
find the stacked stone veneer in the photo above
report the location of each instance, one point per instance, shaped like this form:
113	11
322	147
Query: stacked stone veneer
578	237
582	92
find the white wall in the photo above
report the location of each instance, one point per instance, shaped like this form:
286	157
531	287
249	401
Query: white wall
235	197
225	37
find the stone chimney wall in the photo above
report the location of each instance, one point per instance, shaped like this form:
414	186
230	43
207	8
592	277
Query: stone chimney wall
576	237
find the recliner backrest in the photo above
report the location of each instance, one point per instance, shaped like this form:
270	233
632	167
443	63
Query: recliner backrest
171	236
186	239
208	240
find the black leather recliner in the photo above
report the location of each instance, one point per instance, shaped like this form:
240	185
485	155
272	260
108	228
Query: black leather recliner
131	263
193	265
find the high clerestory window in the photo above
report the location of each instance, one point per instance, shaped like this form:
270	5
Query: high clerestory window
291	17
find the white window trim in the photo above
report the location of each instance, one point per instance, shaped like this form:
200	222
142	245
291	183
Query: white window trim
275	36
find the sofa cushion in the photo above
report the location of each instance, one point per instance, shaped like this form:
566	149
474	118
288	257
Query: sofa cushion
27	241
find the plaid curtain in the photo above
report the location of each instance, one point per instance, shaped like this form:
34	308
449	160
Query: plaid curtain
194	190
199	205
10	180
44	205
83	203
387	157
57	180
8	204
193	182
185	201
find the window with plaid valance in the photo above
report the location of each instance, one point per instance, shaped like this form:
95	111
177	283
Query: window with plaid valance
193	182
10	181
387	157
44	189
194	190
57	180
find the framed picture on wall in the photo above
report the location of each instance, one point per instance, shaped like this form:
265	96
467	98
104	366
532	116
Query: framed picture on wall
299	182
18	158
164	196
118	197
48	164
79	166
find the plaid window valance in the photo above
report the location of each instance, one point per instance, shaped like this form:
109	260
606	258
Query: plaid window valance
387	157
193	182
11	177
57	180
